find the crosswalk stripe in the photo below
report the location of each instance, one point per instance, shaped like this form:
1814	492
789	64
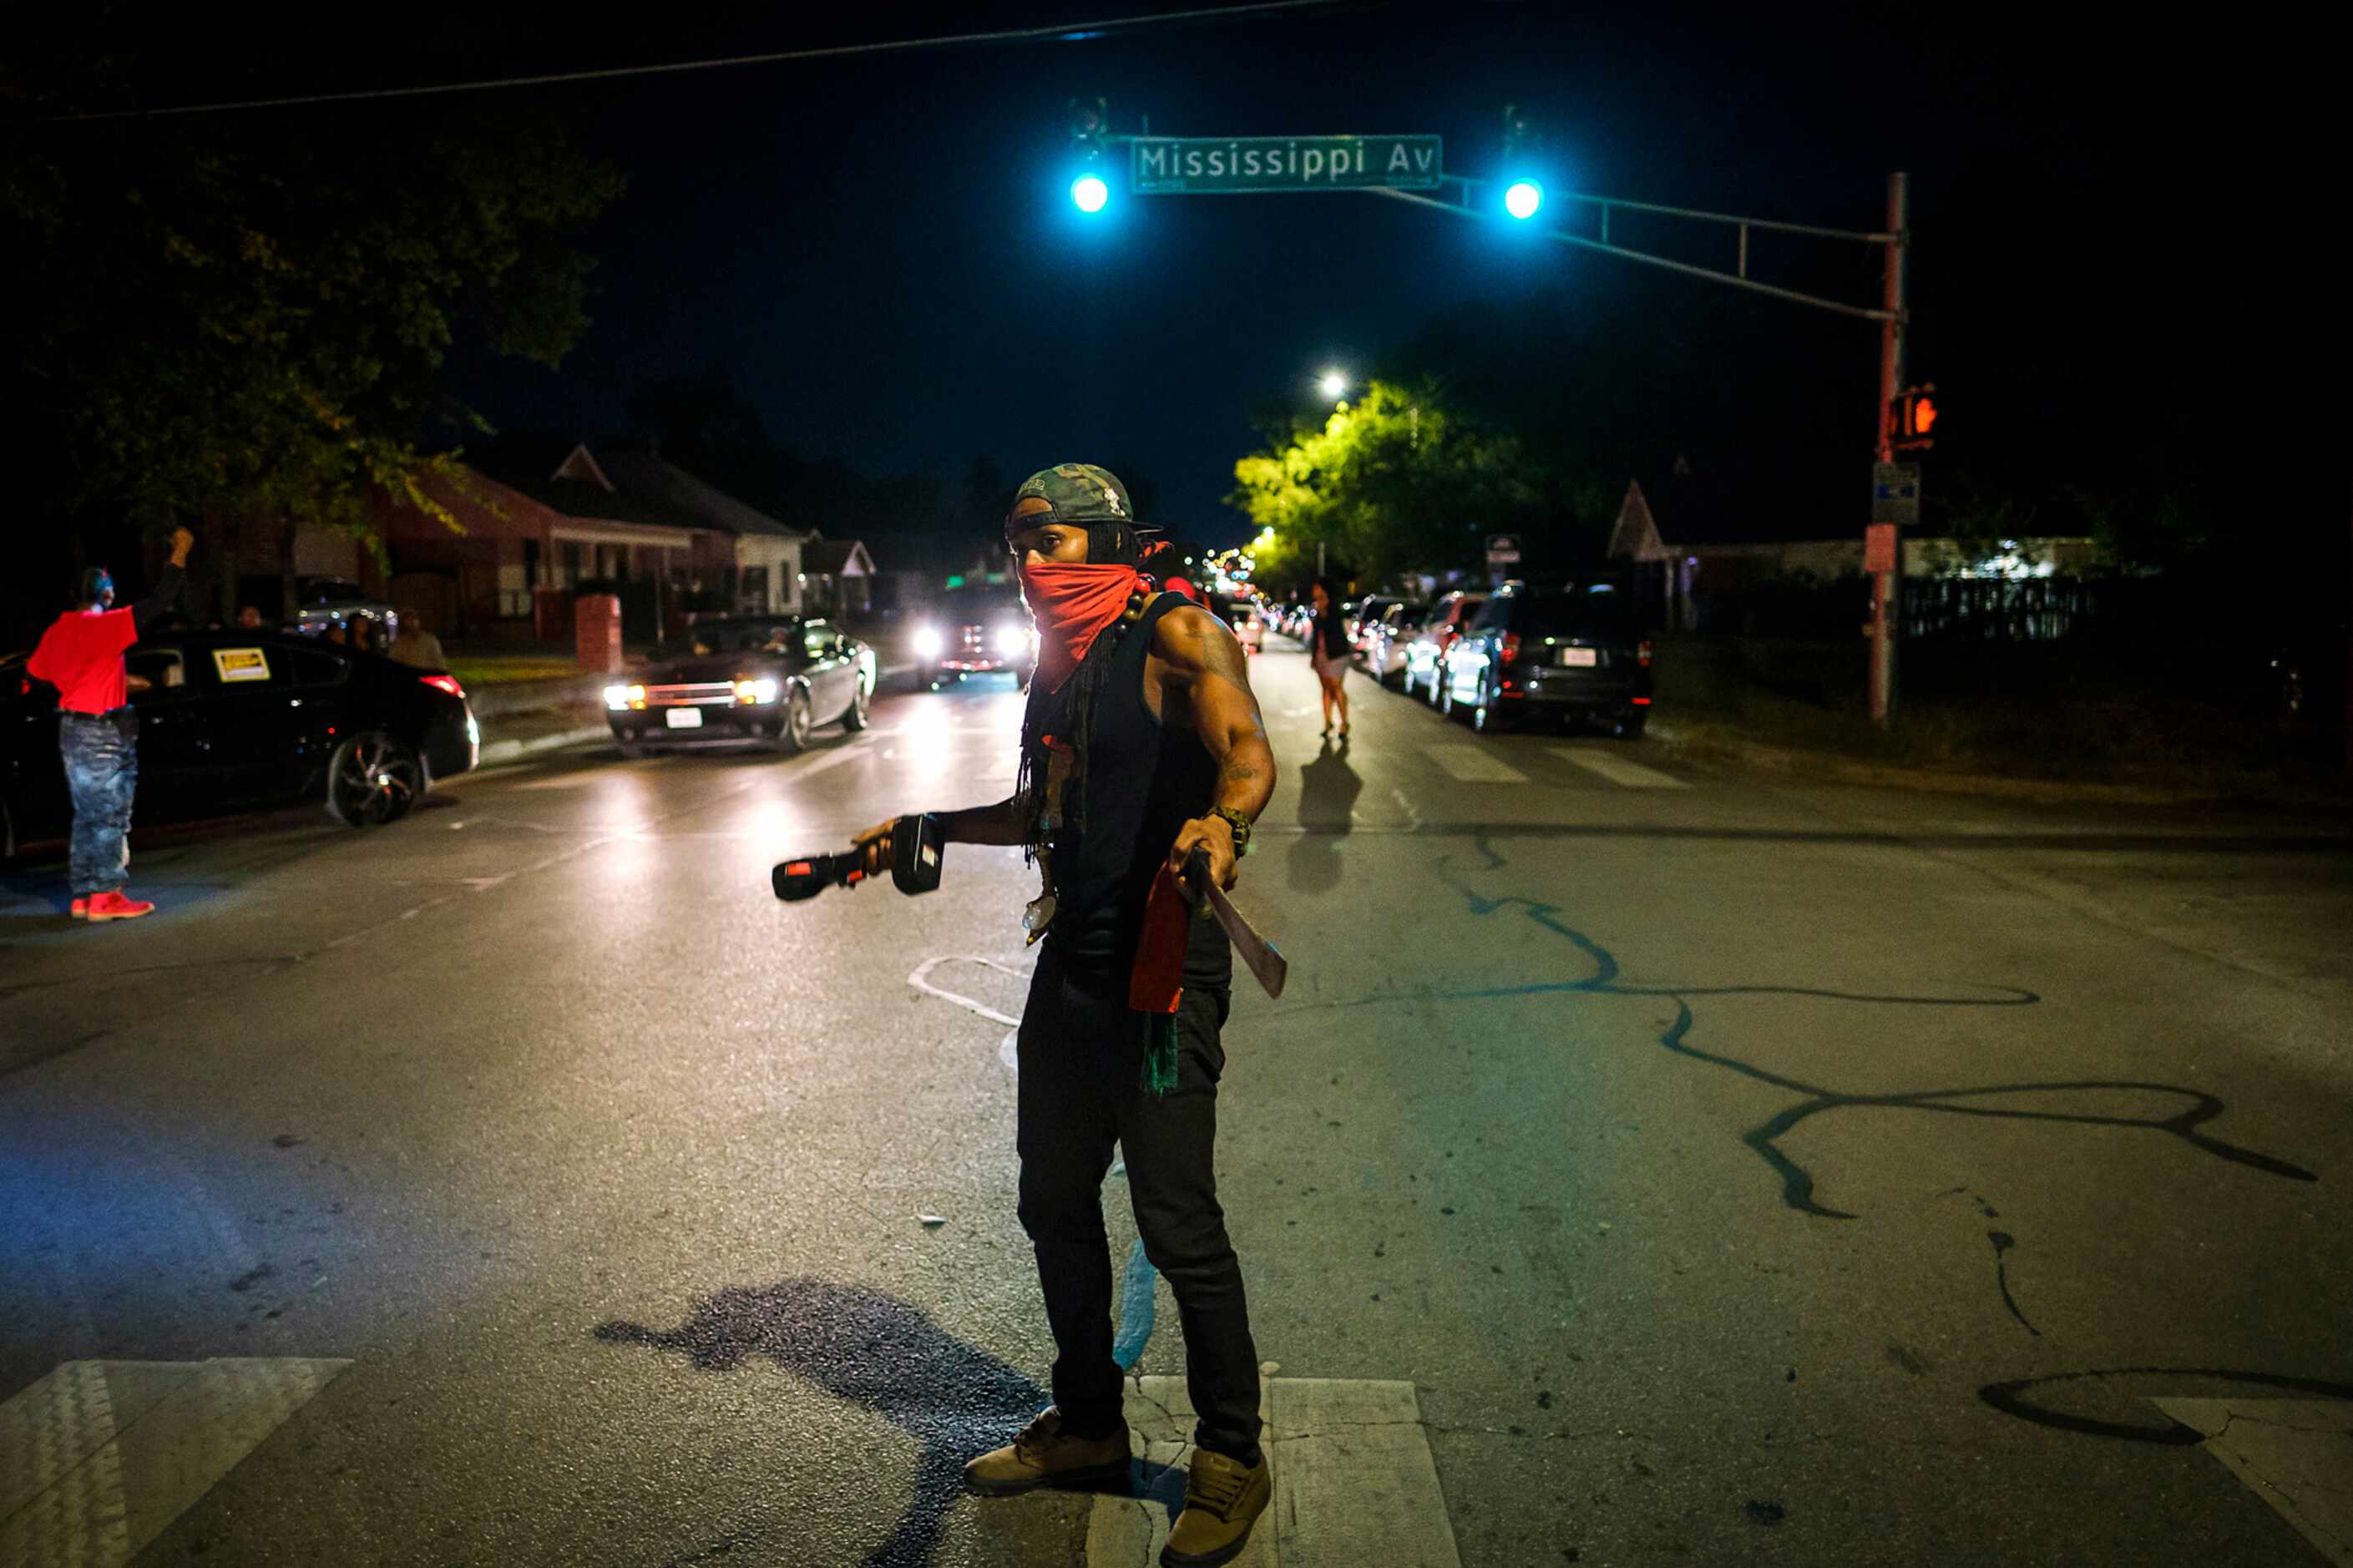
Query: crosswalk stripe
1472	765
97	1456
1354	1478
1617	769
2294	1454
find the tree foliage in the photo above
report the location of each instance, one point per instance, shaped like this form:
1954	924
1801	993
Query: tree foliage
250	315
1398	481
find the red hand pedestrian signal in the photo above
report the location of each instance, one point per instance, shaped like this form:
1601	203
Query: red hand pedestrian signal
1911	419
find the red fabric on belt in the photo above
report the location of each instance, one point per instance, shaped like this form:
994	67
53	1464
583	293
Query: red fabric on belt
1157	980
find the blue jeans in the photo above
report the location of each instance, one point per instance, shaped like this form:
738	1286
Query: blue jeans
101	770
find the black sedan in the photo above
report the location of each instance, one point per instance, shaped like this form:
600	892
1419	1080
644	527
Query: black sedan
766	679
229	719
1576	652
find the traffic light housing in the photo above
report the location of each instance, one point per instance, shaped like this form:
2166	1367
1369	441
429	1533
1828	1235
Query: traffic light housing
1912	419
1090	127
1523	190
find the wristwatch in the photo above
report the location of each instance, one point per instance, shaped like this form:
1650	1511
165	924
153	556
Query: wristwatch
1239	824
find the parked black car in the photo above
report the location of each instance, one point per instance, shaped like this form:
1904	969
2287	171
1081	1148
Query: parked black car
764	679
1576	651
232	719
976	629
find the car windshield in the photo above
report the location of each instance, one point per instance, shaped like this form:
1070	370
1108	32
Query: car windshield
981	600
1585	611
744	637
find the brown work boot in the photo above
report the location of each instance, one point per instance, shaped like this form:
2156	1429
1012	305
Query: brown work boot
1046	1456
1222	1500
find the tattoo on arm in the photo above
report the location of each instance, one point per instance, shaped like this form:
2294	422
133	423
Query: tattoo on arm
1219	654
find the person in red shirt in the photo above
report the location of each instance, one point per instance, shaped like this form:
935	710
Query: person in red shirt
98	732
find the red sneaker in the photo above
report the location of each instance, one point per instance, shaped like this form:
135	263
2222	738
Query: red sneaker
81	908
113	906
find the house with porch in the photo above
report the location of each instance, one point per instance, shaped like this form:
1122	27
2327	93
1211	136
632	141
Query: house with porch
840	577
545	517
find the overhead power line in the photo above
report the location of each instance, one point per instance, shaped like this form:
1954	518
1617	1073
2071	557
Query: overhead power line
1060	31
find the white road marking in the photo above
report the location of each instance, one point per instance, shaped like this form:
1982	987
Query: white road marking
1353	1479
920	981
2294	1454
1617	769
1471	764
97	1456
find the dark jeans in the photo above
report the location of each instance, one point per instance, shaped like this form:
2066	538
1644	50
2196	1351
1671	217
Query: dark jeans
1081	1055
103	771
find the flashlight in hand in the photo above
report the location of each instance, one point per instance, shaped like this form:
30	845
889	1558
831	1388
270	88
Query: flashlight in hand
916	849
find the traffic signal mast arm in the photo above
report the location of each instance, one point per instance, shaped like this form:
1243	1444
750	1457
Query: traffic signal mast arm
1739	279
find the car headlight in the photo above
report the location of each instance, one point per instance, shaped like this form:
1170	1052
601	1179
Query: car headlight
929	642
761	690
618	697
1012	640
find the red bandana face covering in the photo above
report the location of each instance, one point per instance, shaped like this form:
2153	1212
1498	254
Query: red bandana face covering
1072	602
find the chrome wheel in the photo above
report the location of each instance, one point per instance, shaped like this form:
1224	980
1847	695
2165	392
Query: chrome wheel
793	729
373	779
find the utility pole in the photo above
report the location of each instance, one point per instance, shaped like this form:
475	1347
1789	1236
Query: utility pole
1884	564
1887	572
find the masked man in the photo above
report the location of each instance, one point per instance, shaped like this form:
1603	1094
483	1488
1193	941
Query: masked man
81	656
1141	744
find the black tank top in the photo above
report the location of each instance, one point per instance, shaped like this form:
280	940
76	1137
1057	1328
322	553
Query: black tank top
1143	781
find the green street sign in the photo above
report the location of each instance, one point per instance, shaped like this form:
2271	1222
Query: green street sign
1207	166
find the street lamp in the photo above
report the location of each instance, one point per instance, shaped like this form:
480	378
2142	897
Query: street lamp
1335	384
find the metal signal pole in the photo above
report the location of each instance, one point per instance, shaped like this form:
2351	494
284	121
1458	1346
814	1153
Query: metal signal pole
1887	572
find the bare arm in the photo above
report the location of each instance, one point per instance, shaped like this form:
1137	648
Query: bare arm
1204	682
160	597
999	824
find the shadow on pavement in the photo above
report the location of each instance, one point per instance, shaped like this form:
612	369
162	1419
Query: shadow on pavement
872	1351
1328	788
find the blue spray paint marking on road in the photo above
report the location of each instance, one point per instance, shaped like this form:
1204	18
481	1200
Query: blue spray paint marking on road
1798	1187
1134	1308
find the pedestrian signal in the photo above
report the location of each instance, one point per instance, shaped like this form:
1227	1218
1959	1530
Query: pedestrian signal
1912	419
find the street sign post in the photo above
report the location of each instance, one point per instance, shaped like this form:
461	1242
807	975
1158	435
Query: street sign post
1213	165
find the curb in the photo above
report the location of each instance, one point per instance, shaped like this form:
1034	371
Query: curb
498	753
1825	767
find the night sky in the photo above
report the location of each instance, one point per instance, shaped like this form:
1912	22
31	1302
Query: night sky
881	252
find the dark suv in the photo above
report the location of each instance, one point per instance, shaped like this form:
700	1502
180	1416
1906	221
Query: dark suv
1576	651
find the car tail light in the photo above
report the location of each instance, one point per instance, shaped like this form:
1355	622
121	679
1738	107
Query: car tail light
1510	648
448	683
1642	652
1641	702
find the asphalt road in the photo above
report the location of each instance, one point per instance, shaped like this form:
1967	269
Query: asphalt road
1738	1171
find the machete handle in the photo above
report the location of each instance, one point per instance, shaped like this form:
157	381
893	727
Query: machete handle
1192	878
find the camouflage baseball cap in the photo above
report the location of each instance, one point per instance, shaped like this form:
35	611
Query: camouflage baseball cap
1078	492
